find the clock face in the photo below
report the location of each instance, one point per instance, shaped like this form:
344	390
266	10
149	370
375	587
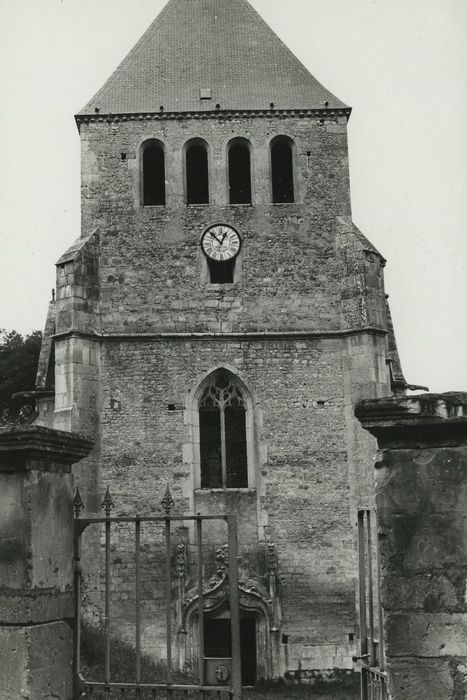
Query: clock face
220	243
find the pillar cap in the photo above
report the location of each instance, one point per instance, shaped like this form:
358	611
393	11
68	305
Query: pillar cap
411	421
34	446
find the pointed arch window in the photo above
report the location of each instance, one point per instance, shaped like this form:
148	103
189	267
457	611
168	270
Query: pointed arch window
153	173
197	172
223	434
239	172
282	179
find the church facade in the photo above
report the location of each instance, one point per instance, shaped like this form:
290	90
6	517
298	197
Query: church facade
218	319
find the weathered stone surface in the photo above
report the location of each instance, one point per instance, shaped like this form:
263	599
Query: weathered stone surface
427	592
13	663
420	679
25	607
36	662
426	634
36	530
36	549
421	497
50	662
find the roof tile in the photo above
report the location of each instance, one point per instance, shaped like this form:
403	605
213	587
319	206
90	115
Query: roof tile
221	45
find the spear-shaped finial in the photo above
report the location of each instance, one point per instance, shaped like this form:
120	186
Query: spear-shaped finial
108	503
78	505
167	502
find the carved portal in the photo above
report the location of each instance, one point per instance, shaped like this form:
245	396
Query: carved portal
259	589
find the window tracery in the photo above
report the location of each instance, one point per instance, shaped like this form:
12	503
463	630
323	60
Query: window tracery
223	443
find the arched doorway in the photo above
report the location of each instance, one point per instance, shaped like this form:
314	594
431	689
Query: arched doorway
256	630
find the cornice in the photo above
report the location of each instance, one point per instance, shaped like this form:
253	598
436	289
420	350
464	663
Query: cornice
246	335
326	113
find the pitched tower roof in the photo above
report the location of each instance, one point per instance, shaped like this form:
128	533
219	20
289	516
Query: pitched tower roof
221	46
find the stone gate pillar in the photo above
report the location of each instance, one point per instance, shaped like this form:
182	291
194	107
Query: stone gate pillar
421	499
36	567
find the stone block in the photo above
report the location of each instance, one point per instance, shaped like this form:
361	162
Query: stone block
426	634
429	592
421	679
36	526
36	662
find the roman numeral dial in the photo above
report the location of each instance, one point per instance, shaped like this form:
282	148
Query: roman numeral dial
220	242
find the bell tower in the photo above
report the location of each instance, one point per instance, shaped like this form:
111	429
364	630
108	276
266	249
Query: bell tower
220	315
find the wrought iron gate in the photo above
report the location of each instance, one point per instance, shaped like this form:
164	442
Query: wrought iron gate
372	660
168	689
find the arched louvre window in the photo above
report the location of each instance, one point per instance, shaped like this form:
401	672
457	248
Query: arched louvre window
153	173
222	425
239	173
197	173
282	170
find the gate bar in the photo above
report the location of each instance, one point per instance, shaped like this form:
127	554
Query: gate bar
77	627
138	598
148	519
380	609
107	601
371	622
362	600
200	604
168	603
234	607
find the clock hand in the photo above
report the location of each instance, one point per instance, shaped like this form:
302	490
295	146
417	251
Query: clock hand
223	238
214	236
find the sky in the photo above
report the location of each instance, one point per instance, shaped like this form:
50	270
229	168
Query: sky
400	64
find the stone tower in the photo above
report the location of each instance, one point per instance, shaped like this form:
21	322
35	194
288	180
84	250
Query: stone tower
220	316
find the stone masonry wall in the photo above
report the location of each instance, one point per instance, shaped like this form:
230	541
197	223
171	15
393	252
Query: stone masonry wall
300	497
153	274
135	287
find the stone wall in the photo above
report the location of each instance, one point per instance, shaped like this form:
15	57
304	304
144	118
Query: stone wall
303	327
299	497
152	272
421	497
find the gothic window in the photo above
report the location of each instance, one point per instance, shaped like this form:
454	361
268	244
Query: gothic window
153	173
223	442
197	173
282	170
239	172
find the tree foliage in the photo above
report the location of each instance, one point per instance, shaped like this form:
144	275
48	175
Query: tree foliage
18	365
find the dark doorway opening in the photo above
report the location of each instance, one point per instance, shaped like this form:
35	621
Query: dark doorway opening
218	644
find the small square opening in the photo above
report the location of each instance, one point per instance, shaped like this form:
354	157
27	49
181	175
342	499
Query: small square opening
221	272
